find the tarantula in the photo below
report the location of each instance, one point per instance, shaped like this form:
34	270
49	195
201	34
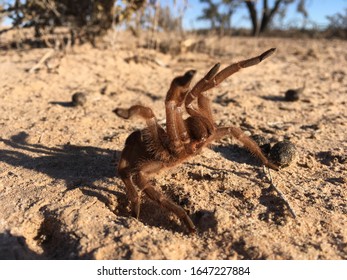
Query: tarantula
153	149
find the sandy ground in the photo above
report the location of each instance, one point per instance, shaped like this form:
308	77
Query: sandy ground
60	195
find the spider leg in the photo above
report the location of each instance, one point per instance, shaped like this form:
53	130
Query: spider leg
126	175
140	111
214	78
248	143
197	92
143	182
175	125
235	67
155	131
136	110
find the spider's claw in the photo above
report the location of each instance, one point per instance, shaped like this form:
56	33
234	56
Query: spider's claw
189	74
136	210
212	72
136	110
272	166
267	54
186	78
192	230
122	113
189	225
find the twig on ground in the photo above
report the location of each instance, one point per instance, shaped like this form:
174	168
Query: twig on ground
41	61
279	192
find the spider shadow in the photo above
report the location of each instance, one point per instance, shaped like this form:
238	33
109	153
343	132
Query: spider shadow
15	247
58	243
55	241
237	154
155	216
276	210
78	166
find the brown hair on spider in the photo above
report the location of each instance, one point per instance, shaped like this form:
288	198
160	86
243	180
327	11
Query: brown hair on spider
152	149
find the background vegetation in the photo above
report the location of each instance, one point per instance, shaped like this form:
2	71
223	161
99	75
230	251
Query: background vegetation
80	21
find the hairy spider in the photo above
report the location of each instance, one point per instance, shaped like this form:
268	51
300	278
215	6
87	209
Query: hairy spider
153	149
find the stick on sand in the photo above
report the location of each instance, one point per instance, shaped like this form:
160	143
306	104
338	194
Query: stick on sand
279	192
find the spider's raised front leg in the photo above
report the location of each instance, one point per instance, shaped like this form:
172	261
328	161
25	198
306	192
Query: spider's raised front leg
200	123
214	78
175	126
204	109
235	67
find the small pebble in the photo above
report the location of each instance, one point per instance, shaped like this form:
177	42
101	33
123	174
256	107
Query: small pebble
103	90
79	99
283	153
291	95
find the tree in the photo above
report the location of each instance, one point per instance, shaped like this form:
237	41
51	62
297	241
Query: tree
268	13
84	20
219	13
229	6
338	24
210	13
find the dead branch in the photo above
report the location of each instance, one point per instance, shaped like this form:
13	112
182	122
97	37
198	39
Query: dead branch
43	59
279	192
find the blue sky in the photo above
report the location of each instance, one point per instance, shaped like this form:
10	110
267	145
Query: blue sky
317	10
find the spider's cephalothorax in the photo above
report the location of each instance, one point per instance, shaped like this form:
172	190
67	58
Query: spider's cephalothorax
153	149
